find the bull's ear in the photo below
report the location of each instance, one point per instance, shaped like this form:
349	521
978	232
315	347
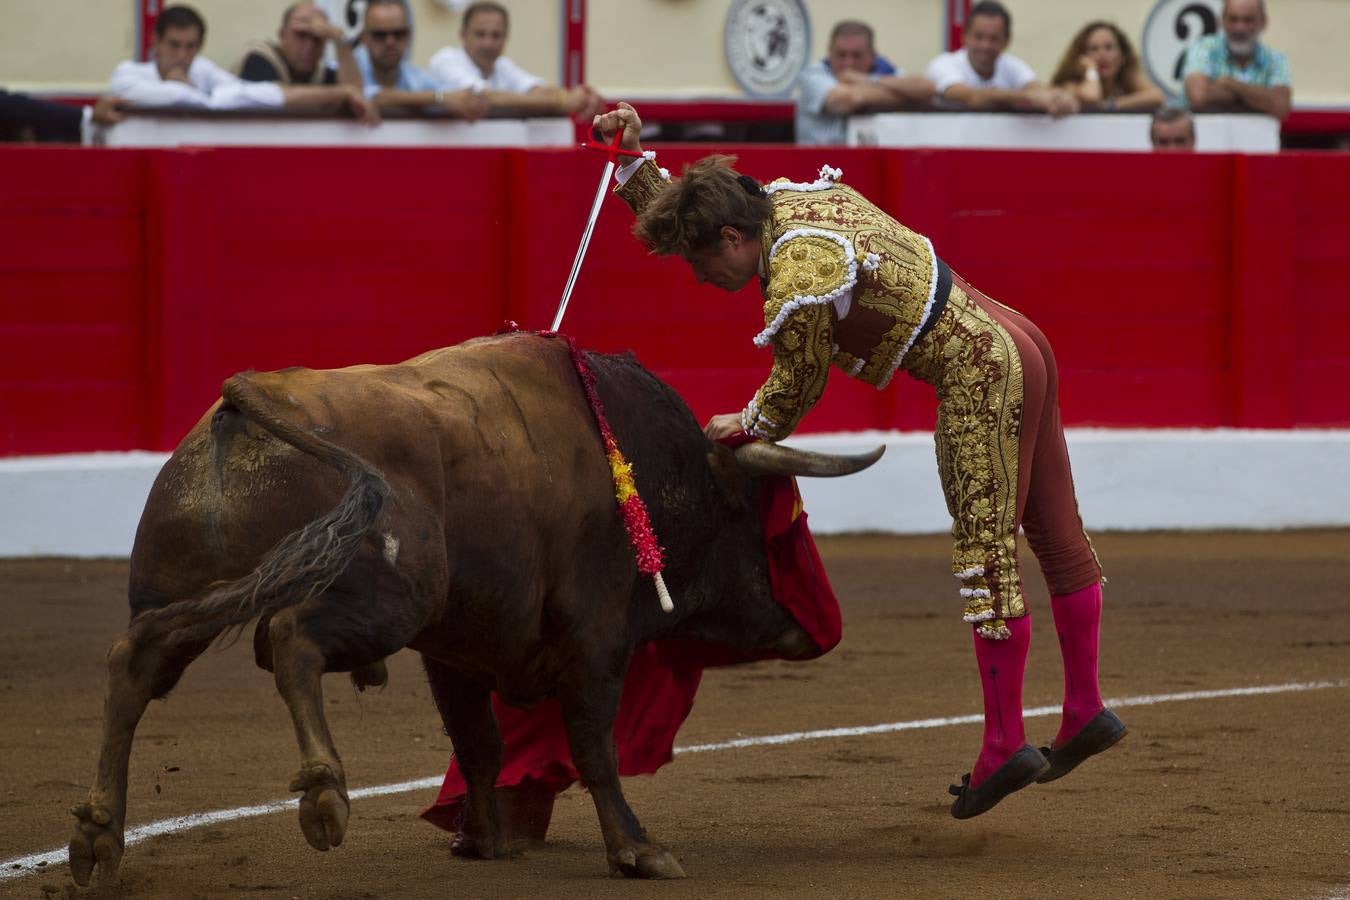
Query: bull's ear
728	476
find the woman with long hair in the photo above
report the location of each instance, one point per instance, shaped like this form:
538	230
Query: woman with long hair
1102	70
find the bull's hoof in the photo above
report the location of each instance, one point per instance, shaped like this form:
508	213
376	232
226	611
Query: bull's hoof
467	846
96	843
323	808
645	862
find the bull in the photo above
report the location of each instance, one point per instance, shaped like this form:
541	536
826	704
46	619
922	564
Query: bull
459	504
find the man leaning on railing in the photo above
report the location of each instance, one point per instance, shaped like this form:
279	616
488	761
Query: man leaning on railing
981	76
394	83
480	64
296	56
1234	70
180	77
852	79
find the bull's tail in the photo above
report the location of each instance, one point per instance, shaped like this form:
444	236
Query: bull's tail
302	564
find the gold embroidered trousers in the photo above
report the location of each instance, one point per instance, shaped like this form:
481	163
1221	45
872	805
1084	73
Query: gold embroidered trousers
1001	456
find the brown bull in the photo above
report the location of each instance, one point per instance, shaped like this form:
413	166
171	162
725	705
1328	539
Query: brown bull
459	504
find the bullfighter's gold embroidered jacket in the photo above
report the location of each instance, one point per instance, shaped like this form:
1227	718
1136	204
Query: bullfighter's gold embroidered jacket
844	284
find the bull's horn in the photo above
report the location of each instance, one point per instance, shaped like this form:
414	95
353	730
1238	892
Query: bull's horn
762	458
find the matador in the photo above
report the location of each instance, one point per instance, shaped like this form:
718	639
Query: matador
845	284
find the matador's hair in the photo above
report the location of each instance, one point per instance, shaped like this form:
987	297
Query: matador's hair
689	214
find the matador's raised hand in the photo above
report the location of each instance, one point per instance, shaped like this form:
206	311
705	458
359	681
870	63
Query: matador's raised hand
624	117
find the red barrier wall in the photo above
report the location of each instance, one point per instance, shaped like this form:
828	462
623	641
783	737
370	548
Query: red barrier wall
72	300
1197	290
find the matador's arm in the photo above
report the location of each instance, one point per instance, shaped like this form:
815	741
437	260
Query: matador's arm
809	269
640	187
801	364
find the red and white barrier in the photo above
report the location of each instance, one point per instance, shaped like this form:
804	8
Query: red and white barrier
1180	292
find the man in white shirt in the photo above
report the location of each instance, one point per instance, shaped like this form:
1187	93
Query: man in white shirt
980	76
178	76
480	66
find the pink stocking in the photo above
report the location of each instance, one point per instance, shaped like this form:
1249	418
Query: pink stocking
1078	619
1002	665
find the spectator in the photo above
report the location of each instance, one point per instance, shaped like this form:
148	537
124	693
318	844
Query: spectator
1234	70
981	76
178	76
1172	130
25	118
395	83
480	66
296	56
1102	70
849	81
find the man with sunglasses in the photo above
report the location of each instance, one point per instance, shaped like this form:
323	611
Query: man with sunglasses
296	56
393	82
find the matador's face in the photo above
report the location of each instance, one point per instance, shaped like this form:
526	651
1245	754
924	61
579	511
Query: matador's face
729	264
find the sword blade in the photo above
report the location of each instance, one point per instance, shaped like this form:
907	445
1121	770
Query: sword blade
585	242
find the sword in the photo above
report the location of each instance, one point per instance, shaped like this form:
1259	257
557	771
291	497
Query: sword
613	151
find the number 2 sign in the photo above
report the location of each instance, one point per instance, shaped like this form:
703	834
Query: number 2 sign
1170	29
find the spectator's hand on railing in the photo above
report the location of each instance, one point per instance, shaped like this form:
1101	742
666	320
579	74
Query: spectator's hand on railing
106	111
625	117
467	104
362	108
1063	103
582	102
1055	101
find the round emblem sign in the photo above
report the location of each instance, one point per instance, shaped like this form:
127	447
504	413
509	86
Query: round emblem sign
767	42
1171	27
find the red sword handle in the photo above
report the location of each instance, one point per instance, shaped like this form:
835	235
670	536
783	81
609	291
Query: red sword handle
612	149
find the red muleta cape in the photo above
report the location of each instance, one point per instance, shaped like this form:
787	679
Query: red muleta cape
659	688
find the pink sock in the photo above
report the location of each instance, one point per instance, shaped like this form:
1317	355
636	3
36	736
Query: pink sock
1078	620
1002	665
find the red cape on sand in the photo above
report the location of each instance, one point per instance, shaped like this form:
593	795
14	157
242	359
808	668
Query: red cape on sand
659	688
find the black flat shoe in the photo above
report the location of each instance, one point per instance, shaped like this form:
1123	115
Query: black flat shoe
1021	769
1102	733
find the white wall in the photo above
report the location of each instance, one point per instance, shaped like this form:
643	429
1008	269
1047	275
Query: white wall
88	504
1128	480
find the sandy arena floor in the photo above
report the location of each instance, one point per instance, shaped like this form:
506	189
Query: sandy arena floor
1236	796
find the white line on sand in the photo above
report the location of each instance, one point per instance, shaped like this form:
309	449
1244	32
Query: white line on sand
38	862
